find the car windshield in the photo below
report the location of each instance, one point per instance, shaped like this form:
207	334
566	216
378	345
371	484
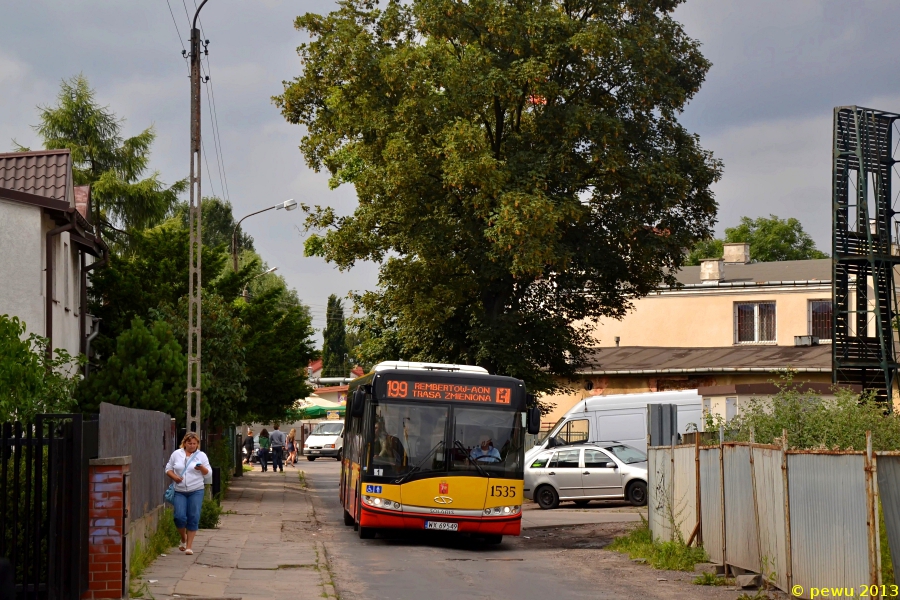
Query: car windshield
328	429
627	454
487	442
553	430
408	437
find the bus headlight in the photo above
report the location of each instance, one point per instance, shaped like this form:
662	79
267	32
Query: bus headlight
502	511
382	503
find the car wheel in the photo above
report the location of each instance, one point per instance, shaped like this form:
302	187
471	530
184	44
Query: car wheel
340	455
493	539
348	520
310	458
582	502
637	493
546	497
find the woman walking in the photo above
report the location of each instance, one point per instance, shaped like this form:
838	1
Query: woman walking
187	467
292	447
264	449
248	447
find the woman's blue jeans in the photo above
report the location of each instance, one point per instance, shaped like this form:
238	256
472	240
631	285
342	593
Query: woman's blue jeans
187	509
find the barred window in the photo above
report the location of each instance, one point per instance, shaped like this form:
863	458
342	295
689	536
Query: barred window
754	322
820	319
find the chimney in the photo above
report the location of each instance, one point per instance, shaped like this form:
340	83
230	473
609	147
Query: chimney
712	270
737	254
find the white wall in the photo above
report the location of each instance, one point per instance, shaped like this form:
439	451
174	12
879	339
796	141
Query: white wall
22	276
21	264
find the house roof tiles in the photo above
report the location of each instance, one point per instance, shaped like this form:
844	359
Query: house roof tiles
765	272
44	173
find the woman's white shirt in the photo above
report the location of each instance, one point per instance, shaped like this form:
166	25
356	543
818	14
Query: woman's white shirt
192	478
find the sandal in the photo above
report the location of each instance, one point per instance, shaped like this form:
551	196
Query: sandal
188	551
182	546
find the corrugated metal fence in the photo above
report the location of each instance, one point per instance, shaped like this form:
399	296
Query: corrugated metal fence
800	518
147	437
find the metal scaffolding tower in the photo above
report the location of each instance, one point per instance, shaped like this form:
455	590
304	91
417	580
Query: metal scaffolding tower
864	350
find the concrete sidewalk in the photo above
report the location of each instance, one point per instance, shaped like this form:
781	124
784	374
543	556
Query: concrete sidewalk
265	546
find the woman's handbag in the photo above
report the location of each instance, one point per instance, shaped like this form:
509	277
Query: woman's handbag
169	496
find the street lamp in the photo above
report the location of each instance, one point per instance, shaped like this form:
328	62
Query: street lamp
286	205
245	294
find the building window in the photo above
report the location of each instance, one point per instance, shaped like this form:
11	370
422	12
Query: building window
754	322
820	319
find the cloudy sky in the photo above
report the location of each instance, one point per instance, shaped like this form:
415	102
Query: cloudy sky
778	70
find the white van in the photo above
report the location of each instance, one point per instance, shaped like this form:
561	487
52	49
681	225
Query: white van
325	440
621	418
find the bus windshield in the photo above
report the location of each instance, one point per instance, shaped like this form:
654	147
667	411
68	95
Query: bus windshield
487	442
407	437
411	439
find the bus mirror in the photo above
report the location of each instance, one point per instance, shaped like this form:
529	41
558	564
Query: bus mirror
534	420
358	402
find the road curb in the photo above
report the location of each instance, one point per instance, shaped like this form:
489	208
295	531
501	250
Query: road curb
325	571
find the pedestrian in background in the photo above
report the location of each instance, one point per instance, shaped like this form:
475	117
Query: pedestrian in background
248	446
292	447
187	467
278	439
264	449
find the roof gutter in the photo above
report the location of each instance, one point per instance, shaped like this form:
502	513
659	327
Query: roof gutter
707	370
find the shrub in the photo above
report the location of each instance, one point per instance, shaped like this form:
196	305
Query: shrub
812	421
210	513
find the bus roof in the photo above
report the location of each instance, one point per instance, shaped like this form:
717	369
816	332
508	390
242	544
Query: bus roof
423	366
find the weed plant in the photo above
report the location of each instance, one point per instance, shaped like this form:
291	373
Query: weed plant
210	513
673	555
165	537
712	579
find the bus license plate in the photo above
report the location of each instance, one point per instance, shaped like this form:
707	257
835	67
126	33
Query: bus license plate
441	526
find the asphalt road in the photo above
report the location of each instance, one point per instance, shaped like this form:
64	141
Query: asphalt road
554	563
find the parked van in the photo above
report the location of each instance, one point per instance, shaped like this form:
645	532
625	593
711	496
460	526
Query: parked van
621	418
325	440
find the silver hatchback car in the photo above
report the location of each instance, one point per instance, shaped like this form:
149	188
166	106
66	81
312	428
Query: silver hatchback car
585	472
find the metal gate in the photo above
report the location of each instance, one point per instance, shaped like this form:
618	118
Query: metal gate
43	504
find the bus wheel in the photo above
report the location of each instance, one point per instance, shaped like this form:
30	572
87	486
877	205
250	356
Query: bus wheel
348	520
310	458
366	533
546	497
493	539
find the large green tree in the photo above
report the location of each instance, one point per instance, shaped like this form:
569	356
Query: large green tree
771	239
519	166
334	346
115	167
147	370
218	224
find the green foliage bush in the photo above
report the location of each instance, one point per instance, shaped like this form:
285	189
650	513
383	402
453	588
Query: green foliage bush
812	421
210	513
30	382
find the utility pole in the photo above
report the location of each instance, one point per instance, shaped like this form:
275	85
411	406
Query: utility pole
196	241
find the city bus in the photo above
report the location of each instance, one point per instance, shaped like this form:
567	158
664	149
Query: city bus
435	447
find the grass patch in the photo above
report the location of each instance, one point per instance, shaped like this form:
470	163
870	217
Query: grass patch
247	468
669	556
301	475
164	538
712	579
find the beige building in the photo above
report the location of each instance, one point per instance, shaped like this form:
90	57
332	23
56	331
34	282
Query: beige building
729	322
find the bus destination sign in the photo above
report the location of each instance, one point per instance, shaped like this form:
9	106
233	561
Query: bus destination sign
424	390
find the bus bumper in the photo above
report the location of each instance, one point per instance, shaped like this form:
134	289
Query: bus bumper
379	519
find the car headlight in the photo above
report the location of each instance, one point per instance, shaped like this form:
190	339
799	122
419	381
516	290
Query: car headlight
329	445
382	503
502	511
